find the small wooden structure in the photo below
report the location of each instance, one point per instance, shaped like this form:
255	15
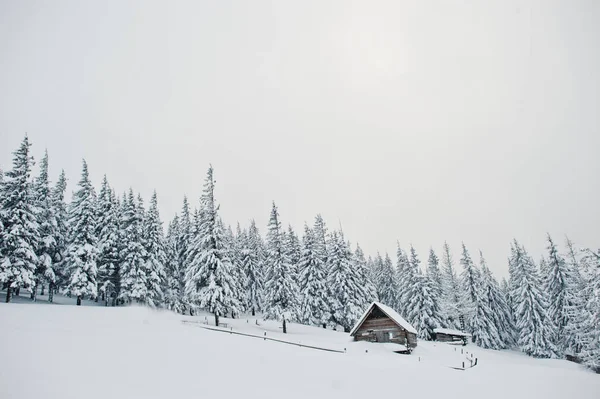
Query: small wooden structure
449	335
381	323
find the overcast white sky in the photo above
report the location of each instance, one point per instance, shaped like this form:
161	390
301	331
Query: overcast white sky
416	121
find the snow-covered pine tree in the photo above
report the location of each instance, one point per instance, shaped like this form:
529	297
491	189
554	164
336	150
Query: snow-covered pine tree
314	305
107	232
294	250
365	277
436	279
184	243
134	274
387	279
61	236
469	286
534	335
344	284
281	292
173	294
422	306
412	284
590	352
575	333
209	283
157	257
561	289
320	234
252	265
481	321
495	298
231	245
403	280
451	301
20	236
47	229
82	253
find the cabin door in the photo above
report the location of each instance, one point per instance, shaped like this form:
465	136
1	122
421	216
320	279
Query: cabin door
382	336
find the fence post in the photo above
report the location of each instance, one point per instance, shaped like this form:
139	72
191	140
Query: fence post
475	361
265	336
463	365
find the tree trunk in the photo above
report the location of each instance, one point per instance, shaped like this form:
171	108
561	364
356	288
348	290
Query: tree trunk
18	291
216	320
325	326
191	311
253	312
51	292
79	300
346	329
42	287
284	327
232	315
8	292
34	290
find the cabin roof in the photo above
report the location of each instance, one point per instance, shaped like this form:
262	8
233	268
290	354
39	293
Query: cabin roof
449	331
389	312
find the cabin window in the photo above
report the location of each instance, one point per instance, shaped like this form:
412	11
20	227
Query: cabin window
391	335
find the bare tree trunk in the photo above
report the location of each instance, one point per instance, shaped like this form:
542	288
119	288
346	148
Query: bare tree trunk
51	292
42	289
34	290
253	312
8	292
78	300
18	291
217	319
325	325
284	327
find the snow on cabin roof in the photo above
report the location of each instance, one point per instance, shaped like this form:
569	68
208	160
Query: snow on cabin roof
389	312
451	332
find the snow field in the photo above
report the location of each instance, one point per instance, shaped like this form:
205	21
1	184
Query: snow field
130	352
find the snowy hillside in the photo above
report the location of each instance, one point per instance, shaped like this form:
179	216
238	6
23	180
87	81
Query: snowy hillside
130	352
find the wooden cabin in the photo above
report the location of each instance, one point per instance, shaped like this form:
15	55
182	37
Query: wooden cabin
380	323
448	335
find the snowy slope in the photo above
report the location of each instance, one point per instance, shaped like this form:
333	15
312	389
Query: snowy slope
96	352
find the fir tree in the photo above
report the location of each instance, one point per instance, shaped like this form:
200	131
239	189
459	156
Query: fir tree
533	332
344	284
469	285
370	293
61	236
403	280
561	290
134	273
422	307
281	296
482	321
173	293
209	283
82	253
387	287
20	236
184	243
252	265
436	279
320	234
451	302
107	231
46	219
312	279
590	327
157	258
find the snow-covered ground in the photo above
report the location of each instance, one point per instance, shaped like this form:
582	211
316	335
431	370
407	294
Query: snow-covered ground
129	352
